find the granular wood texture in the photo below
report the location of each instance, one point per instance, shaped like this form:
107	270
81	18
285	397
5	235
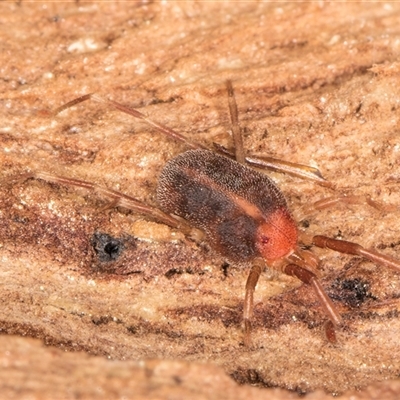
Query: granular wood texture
316	83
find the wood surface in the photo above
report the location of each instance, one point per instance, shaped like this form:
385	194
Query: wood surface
316	83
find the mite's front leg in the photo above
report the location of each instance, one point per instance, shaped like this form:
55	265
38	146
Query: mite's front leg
248	305
342	246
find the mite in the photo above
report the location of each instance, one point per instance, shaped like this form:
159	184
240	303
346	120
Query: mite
242	212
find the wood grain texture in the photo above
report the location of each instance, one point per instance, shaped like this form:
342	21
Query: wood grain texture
315	83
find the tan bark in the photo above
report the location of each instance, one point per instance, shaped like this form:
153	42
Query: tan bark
315	83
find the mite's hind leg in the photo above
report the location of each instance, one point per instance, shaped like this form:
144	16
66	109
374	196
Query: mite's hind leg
248	305
343	246
115	198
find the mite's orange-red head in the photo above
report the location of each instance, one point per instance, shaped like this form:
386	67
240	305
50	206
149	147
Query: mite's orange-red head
277	236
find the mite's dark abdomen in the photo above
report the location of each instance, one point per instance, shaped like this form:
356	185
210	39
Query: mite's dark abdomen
208	190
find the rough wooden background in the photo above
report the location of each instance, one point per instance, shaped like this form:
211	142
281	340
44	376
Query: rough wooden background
316	83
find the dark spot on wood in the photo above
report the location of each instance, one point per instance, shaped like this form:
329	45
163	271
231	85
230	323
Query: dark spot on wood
106	247
170	273
104	320
352	292
210	313
225	266
305	223
245	376
177	379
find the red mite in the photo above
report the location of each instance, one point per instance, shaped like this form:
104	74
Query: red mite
242	212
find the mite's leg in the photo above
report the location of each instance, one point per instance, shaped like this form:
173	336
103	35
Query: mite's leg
134	113
270	163
116	199
285	167
251	284
299	170
236	132
310	278
343	246
309	210
353	199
